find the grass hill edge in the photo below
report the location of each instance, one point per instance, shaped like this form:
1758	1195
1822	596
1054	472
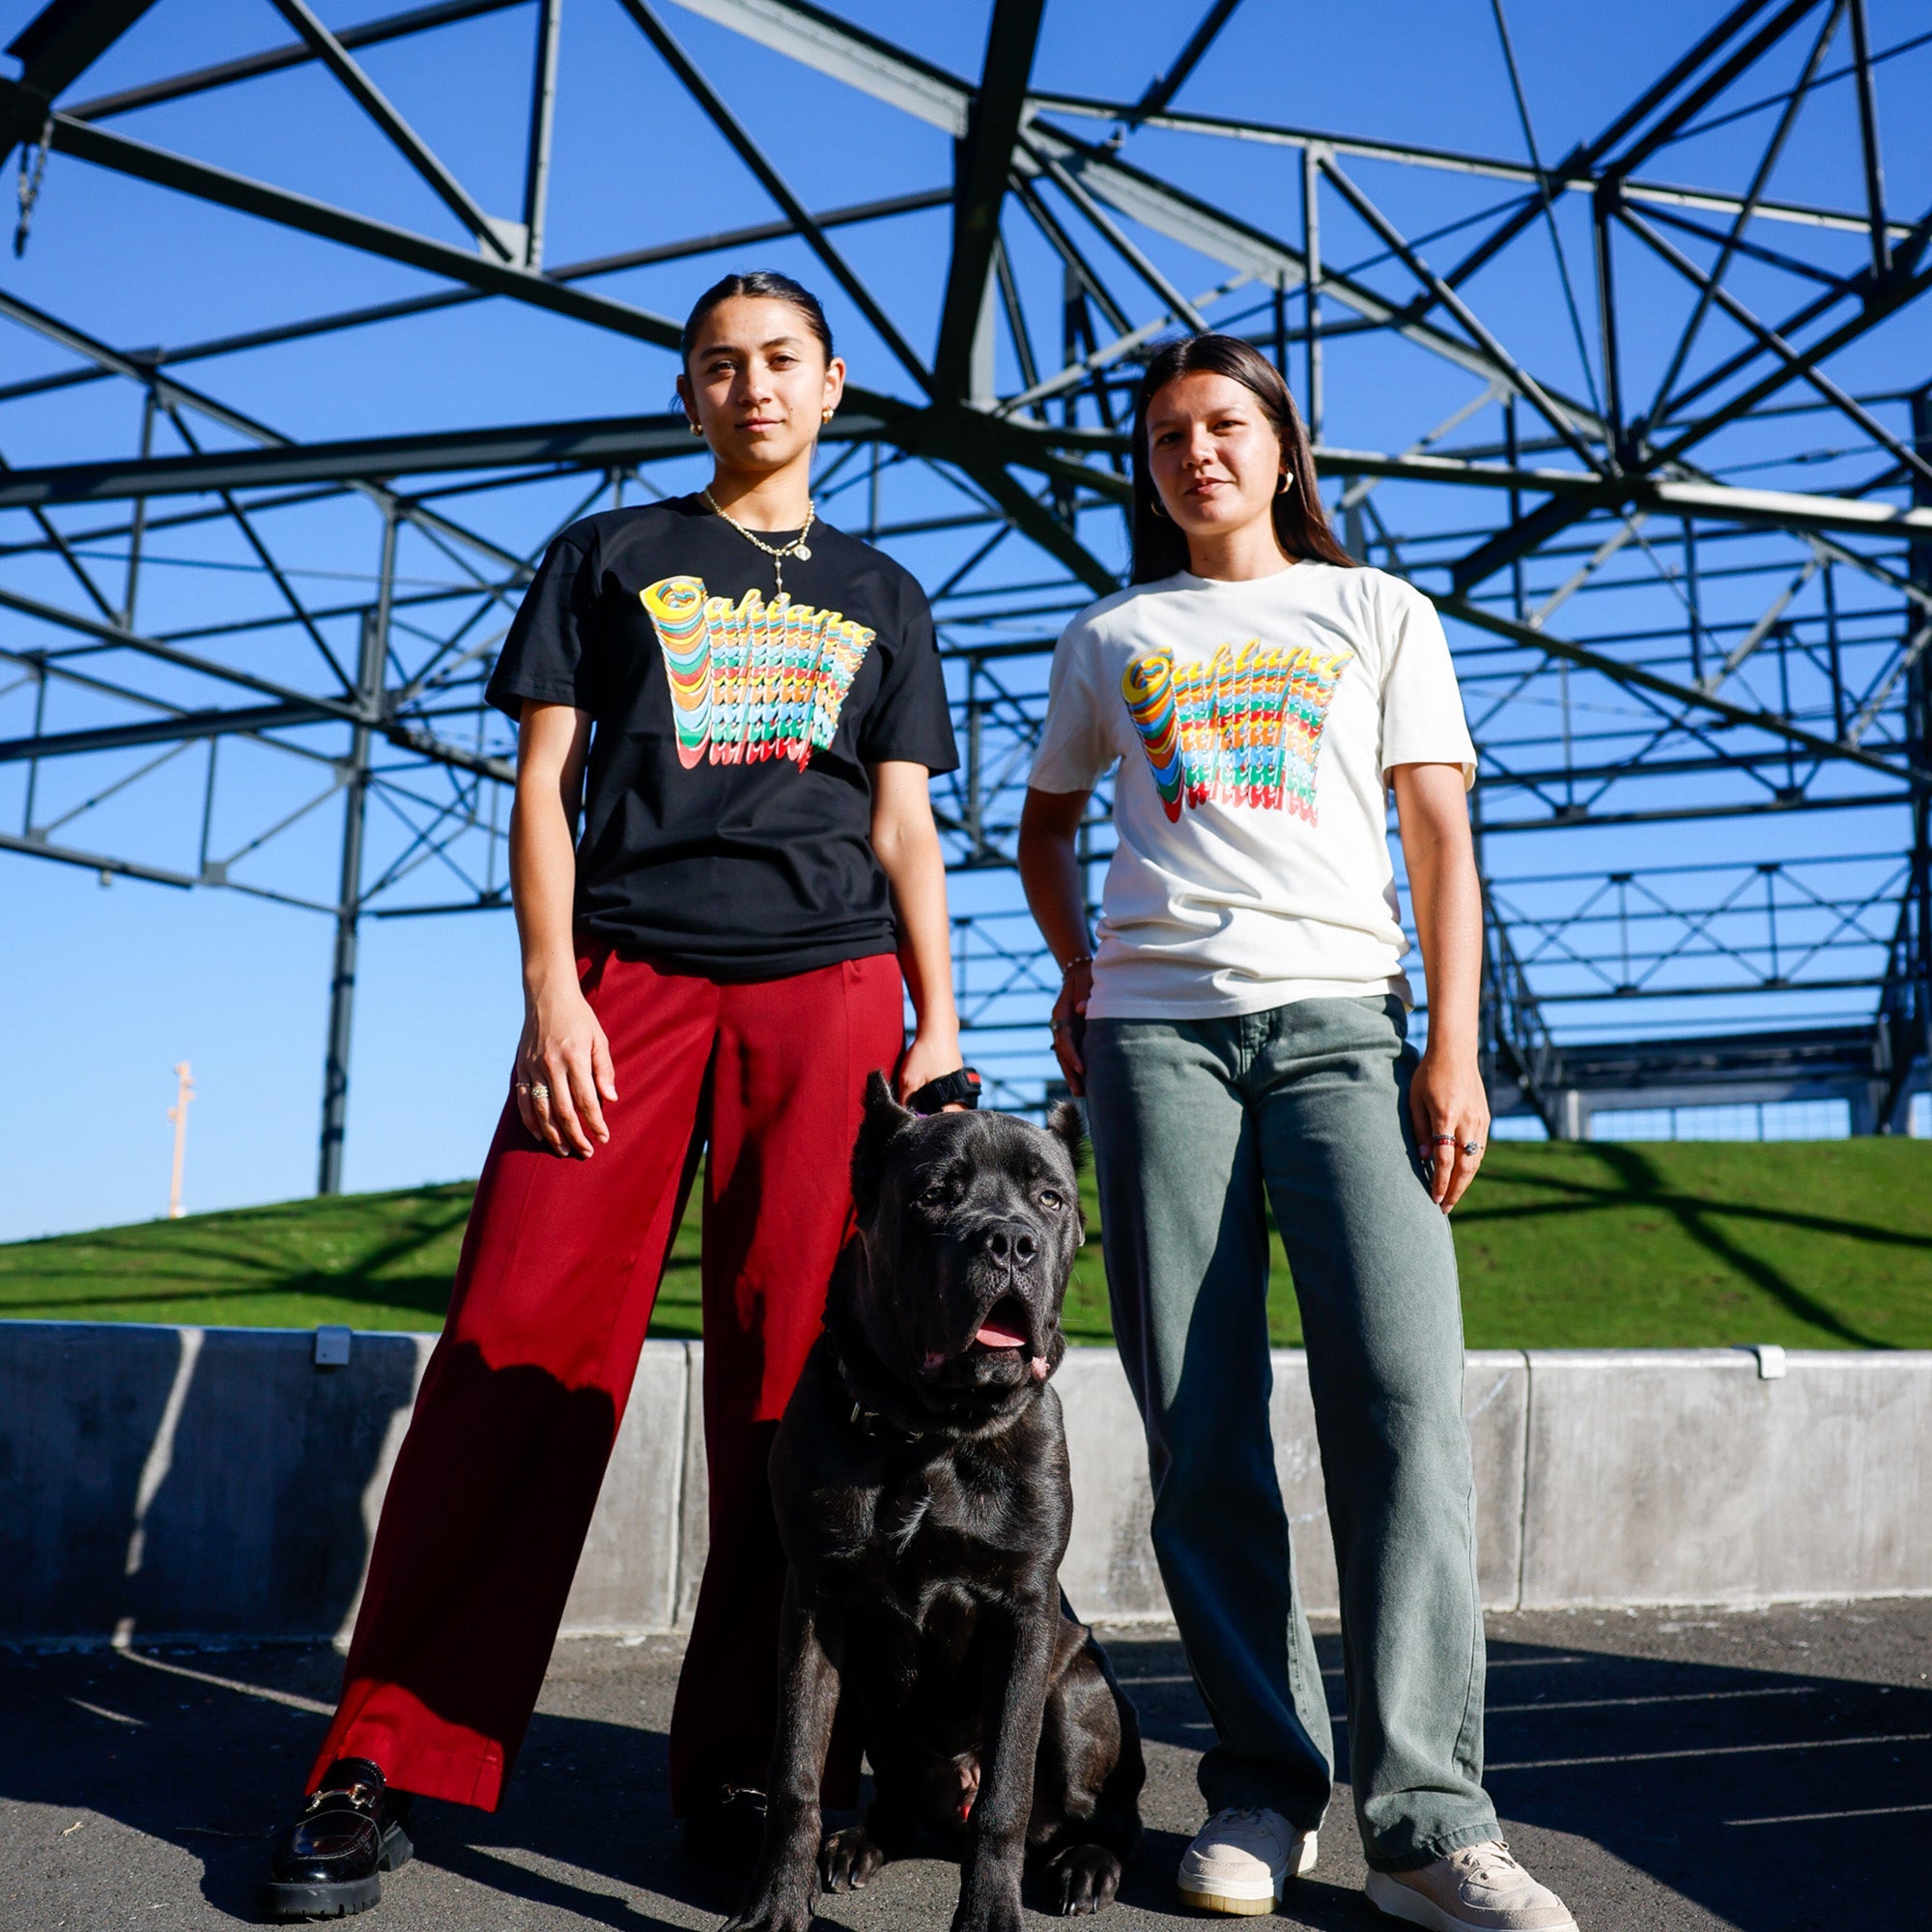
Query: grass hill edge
1688	1244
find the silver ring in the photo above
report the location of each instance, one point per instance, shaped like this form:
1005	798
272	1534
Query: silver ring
1445	1140
539	1091
1472	1146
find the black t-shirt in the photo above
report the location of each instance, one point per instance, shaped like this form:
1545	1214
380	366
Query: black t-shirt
727	808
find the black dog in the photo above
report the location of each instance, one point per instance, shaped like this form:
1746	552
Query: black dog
921	1481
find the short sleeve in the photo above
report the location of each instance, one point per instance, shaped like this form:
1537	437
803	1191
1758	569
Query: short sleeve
1422	704
547	655
910	719
1074	751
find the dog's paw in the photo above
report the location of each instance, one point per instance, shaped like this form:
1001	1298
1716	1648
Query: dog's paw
849	1858
1086	1877
780	1909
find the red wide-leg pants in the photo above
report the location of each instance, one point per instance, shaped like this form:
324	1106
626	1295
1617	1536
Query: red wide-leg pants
493	1488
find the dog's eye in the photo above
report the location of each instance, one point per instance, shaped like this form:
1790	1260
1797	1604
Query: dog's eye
1050	1197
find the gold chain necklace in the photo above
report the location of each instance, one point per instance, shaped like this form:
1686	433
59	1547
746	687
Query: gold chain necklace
778	552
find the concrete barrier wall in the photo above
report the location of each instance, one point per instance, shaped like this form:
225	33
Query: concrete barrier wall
177	1481
1660	1477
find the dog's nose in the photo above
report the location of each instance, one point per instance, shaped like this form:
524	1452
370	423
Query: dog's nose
1012	1246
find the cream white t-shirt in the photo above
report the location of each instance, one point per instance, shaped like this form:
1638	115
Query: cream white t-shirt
1254	724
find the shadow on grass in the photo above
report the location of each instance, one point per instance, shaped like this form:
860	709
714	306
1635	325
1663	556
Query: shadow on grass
422	1294
204	1266
1643	1183
1590	1196
240	1266
254	1242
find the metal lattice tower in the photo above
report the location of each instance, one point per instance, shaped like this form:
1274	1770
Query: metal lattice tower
1629	439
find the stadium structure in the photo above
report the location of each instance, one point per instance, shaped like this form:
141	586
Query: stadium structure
1650	419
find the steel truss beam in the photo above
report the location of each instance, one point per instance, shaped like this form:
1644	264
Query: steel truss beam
1796	707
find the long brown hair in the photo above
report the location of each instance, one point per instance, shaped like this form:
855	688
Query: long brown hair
1300	518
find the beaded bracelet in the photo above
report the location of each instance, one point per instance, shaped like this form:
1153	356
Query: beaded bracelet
1078	959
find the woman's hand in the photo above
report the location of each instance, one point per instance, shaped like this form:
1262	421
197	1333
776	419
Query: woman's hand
1451	1113
564	1072
1069	1025
934	1051
563	1060
1447	1101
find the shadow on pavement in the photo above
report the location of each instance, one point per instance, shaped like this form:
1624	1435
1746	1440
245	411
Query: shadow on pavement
1768	1798
1743	1794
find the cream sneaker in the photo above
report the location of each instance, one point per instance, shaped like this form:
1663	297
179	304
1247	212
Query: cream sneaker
1241	1859
1479	1888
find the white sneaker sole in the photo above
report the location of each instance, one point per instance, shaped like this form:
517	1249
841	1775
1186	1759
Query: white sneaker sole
1400	1901
1247	1898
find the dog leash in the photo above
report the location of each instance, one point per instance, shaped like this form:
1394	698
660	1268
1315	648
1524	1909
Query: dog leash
958	1088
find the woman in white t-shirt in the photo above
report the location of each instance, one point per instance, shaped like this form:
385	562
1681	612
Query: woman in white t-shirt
1238	1029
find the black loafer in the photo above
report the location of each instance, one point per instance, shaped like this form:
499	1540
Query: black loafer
724	1830
328	1864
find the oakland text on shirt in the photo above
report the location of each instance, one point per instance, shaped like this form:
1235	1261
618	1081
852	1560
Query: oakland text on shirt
1242	727
727	802
750	681
1235	708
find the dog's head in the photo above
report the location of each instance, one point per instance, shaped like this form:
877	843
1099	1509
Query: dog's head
969	1224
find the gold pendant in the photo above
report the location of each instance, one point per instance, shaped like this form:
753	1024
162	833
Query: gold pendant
803	555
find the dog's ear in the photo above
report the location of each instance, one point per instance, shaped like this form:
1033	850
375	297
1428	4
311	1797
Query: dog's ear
883	1117
1068	1124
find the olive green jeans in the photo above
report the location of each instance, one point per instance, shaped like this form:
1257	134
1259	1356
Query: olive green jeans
1193	1122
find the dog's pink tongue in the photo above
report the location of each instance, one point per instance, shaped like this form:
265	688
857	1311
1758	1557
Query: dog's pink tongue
995	1336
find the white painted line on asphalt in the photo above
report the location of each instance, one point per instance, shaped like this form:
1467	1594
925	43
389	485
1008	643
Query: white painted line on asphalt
1671	1698
1827	1817
114	1716
268	1697
1711	1750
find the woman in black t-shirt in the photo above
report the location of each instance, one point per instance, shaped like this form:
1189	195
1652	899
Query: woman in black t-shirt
745	705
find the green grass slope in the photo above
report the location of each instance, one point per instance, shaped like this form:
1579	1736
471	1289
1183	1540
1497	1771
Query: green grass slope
1814	1244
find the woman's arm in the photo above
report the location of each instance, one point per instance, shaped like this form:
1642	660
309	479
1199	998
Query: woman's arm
1447	1096
563	1050
1050	871
907	843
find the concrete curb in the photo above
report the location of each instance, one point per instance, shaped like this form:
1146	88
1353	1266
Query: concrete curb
185	1481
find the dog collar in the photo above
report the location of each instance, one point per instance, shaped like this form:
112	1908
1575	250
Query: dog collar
868	1422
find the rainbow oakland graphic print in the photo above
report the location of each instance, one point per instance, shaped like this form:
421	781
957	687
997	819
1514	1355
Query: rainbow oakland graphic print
751	681
1244	727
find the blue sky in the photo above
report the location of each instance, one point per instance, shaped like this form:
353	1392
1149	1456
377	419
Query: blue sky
109	987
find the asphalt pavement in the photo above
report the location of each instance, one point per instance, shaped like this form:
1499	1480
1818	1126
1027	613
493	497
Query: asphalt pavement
1663	1769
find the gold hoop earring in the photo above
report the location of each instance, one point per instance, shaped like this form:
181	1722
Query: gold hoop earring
1155	504
1286	484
